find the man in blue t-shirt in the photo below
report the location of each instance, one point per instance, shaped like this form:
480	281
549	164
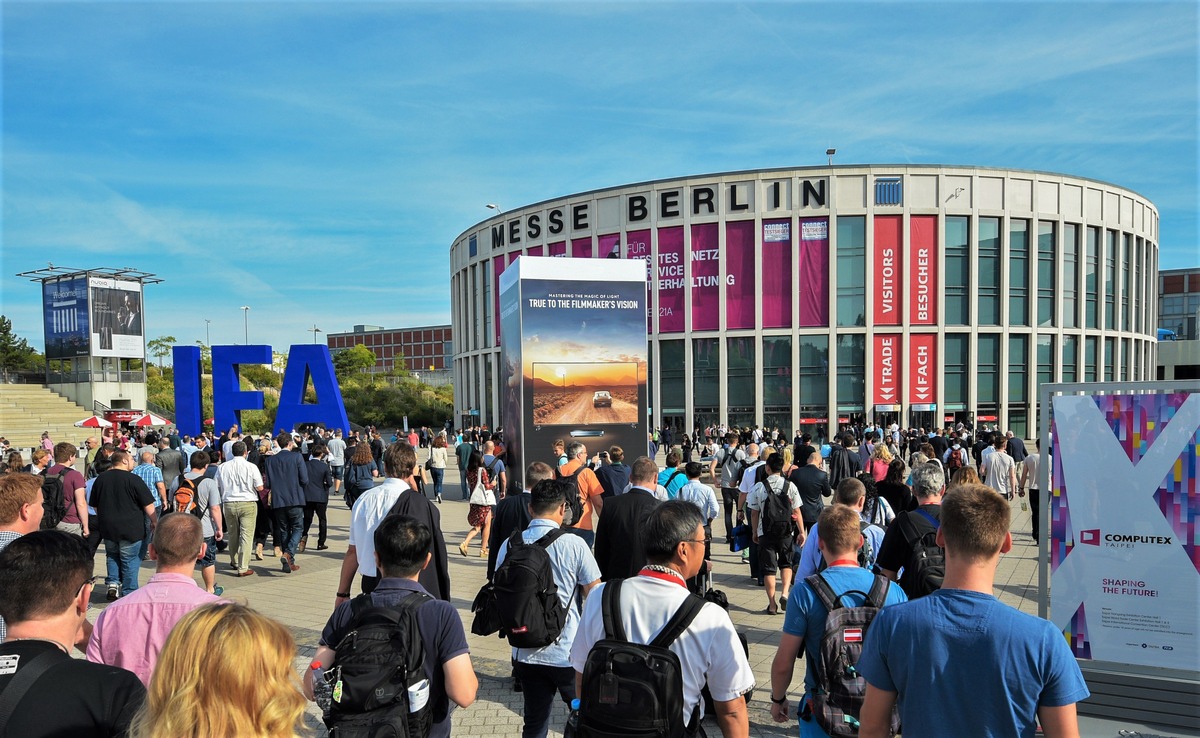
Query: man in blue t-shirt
839	538
958	661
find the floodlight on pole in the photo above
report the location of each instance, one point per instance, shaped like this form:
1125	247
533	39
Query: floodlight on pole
830	153
315	330
246	319
494	206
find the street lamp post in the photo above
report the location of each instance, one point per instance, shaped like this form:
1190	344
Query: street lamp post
246	319
315	330
207	336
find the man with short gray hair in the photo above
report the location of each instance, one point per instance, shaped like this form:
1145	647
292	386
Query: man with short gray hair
929	484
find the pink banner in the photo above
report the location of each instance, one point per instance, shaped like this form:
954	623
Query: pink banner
609	245
706	277
535	250
922	362
814	272
670	279
777	273
581	248
889	272
887	369
922	245
558	248
637	246
499	263
740	281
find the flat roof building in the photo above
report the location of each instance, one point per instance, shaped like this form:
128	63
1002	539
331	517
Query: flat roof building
426	349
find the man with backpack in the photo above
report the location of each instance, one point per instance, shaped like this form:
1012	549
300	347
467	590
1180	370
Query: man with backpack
998	671
774	523
728	460
63	489
844	461
956	456
541	575
198	494
910	544
495	468
588	491
396	629
828	616
852	494
646	646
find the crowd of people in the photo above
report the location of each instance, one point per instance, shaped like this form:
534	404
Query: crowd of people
590	561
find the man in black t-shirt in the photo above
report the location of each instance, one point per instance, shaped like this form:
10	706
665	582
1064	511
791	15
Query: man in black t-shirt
122	500
929	484
47	586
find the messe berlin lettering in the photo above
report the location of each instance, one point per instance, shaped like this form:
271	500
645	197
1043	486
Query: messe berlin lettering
305	362
702	200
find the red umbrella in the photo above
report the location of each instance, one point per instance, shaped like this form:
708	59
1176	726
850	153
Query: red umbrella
209	421
94	421
148	419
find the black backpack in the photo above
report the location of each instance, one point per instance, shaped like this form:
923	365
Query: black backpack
926	565
776	511
631	689
379	661
53	505
866	553
573	501
840	691
530	613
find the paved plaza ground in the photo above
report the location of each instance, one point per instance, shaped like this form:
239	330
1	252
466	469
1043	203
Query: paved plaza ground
303	600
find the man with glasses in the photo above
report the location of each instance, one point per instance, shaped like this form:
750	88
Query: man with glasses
47	586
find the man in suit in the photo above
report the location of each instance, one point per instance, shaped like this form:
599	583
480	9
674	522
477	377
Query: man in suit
813	485
620	550
1016	448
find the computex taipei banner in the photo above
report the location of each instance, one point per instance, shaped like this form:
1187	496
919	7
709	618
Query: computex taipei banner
573	357
1124	505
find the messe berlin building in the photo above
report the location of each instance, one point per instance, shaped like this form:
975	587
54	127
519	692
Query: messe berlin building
806	297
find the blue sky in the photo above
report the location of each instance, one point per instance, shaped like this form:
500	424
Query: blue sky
315	160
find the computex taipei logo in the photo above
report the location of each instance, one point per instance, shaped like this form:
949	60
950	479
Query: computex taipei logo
1093	537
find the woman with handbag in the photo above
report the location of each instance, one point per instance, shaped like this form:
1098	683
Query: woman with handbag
437	464
483	497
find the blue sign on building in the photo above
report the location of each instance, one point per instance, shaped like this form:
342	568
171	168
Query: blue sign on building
888	191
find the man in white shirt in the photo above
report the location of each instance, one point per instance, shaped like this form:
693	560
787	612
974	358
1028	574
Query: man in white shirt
337	458
240	482
999	469
708	650
774	537
745	484
1031	481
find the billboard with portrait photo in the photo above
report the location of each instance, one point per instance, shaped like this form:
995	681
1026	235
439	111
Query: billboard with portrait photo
116	318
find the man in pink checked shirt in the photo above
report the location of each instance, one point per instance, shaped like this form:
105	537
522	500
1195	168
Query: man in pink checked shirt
131	631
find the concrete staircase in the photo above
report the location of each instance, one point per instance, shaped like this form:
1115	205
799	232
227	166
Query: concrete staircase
28	409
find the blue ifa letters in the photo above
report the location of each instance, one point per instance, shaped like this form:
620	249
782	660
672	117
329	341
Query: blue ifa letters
305	362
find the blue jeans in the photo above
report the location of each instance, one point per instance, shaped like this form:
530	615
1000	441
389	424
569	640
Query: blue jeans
289	525
124	562
466	493
438	476
144	551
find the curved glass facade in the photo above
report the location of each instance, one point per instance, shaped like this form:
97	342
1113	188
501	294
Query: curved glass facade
798	298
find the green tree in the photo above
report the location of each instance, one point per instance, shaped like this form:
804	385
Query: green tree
352	362
16	355
160	347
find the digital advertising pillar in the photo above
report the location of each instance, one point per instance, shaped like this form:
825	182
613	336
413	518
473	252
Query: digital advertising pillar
573	355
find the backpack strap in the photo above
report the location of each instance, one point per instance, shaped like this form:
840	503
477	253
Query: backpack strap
679	622
359	605
932	520
879	590
20	684
672	477
550	537
610	607
830	599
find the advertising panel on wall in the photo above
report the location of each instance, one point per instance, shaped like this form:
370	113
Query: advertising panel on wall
581	248
887	372
1125	554
889	273
65	314
922	245
610	245
740	270
706	277
814	272
115	321
922	372
637	246
575	348
777	273
670	279
558	248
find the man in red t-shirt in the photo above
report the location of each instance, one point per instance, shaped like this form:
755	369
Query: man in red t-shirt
75	519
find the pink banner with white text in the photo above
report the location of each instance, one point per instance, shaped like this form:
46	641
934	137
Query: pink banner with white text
670	279
889	270
637	246
814	272
499	264
922	244
581	248
706	277
777	273
740	279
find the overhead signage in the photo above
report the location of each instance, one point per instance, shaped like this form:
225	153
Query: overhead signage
922	362
887	370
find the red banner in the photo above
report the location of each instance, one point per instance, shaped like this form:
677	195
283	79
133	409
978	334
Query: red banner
888	272
777	273
887	369
814	272
922	244
922	362
740	275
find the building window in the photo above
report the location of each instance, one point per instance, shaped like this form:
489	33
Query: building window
958	360
1110	280
706	378
987	370
777	374
1091	276
1018	272
989	271
1045	361
1090	368
1110	360
1135	271
851	271
739	386
1070	275
1070	359
1018	369
671	376
1125	280
851	372
958	271
1126	360
814	370
1045	274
